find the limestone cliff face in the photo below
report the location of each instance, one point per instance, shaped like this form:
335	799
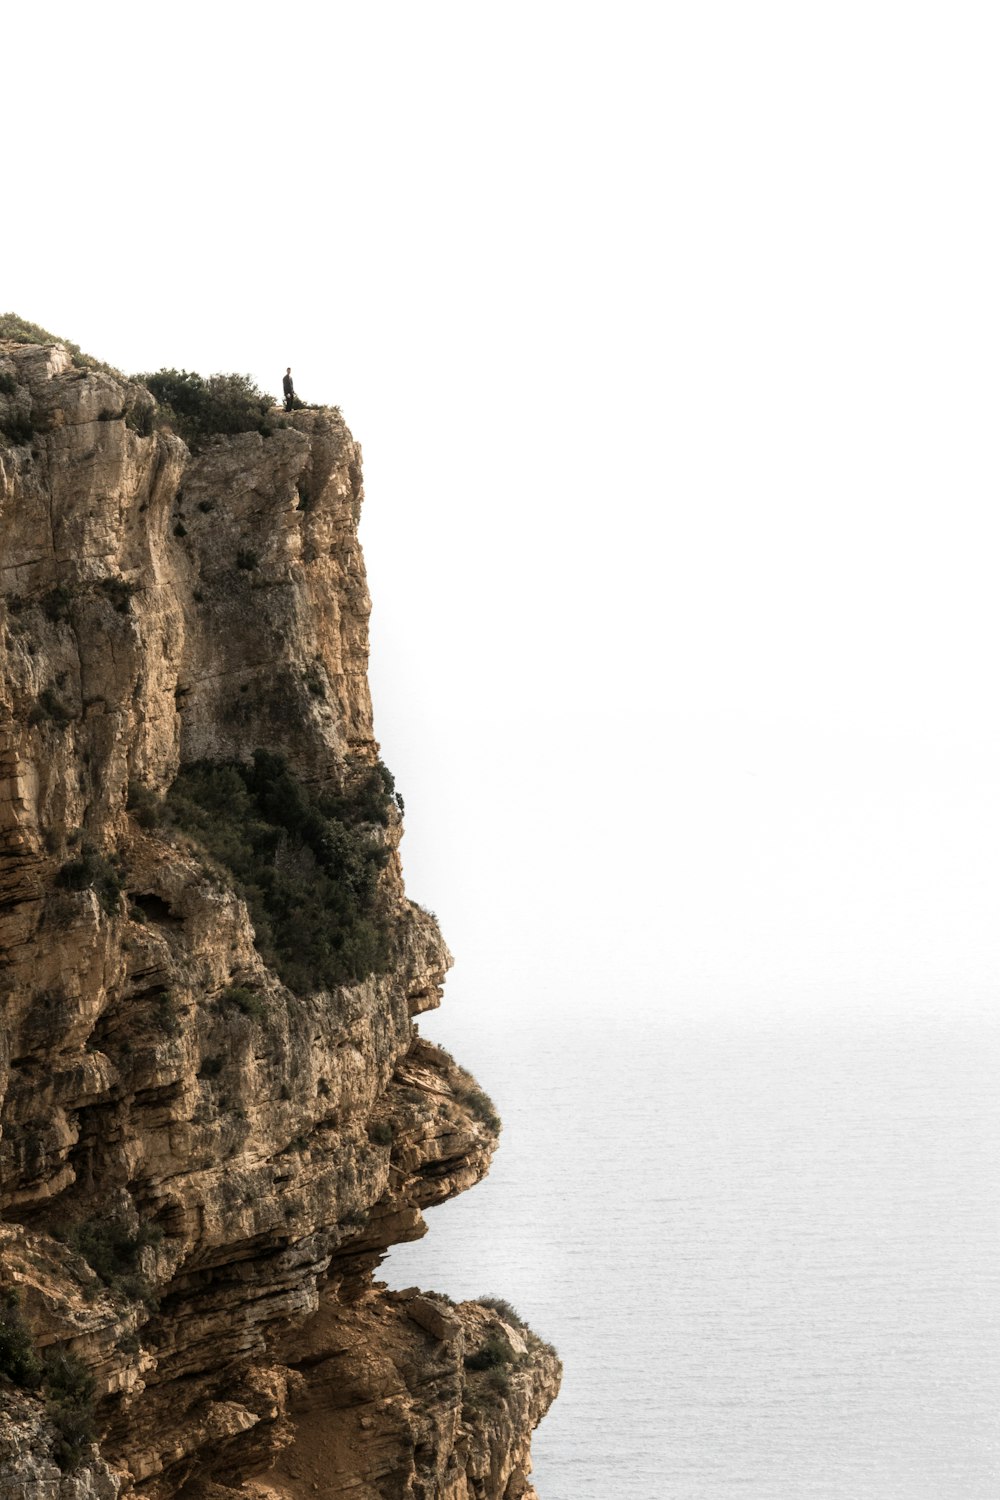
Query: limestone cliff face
160	609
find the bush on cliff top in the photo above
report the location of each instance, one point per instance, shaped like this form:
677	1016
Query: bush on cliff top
200	408
19	331
306	863
507	1311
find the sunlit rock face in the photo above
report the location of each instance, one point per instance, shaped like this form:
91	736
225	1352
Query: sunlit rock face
200	1167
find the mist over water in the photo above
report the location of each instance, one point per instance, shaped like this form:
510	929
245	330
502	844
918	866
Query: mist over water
764	1247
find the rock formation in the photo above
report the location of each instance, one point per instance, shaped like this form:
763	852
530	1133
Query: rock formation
202	1165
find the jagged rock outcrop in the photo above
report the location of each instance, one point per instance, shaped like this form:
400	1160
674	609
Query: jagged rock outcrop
255	1160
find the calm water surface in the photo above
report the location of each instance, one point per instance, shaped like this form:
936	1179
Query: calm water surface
767	1253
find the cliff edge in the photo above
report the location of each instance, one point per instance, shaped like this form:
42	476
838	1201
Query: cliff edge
217	1112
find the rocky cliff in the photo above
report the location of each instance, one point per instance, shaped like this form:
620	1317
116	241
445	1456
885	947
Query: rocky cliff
213	1123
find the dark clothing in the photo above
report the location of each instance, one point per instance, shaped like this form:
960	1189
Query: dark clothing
289	390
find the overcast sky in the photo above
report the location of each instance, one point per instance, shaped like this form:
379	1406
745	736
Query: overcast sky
671	335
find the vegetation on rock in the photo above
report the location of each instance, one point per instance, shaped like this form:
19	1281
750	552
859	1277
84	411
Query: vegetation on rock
492	1353
49	707
68	1385
17	429
249	1002
306	863
18	1360
118	592
70	1408
507	1311
93	869
478	1102
200	408
56	603
112	1250
18	330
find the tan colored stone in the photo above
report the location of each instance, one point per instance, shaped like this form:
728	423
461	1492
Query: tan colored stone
433	1316
131	641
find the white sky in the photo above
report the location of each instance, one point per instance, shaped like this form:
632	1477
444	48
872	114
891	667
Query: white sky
672	335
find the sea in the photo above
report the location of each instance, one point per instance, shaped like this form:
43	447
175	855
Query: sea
765	1246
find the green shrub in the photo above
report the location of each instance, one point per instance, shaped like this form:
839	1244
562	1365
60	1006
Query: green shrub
246	558
55	604
69	1386
480	1105
135	1288
8	385
381	1133
368	798
48	706
17	428
93	869
313	680
201	408
18	1359
166	1016
250	1002
144	805
490	1355
112	1250
140	414
119	592
307	871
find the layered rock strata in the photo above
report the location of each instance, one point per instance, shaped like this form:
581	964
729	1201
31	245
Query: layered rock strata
161	609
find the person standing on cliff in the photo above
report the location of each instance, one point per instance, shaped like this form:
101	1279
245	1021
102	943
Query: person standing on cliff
288	388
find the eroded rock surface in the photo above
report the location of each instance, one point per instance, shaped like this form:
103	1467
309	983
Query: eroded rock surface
160	609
